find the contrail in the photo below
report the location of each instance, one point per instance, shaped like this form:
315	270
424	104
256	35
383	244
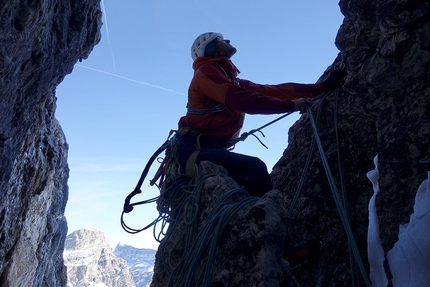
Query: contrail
107	34
131	80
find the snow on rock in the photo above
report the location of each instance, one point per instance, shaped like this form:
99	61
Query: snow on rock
91	263
374	247
409	259
140	261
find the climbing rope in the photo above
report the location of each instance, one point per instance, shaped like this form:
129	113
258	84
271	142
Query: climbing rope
344	209
181	202
353	263
201	253
340	207
245	135
308	159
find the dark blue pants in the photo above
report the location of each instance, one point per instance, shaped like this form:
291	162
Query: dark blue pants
248	171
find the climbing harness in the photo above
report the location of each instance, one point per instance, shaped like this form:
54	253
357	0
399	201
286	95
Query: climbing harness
172	142
215	109
169	170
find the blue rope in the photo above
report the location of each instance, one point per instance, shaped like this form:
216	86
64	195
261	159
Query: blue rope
184	273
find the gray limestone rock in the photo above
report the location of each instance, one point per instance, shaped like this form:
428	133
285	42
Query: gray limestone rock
382	109
40	41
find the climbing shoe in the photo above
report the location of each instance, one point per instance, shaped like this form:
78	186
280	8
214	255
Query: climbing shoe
304	254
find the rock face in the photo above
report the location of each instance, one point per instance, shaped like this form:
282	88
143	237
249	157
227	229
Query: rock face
140	262
90	261
40	41
381	109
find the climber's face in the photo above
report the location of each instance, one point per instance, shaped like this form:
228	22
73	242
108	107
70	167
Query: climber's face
225	49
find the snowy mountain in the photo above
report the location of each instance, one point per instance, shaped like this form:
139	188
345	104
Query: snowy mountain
90	262
140	261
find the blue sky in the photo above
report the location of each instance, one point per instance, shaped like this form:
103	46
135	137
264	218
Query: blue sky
118	106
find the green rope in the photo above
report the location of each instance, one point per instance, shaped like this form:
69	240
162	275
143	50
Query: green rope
345	205
308	160
352	263
340	207
173	202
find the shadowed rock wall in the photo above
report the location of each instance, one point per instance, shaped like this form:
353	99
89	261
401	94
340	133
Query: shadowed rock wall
383	109
40	41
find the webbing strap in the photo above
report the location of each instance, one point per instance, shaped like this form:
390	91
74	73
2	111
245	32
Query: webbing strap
190	169
190	166
215	109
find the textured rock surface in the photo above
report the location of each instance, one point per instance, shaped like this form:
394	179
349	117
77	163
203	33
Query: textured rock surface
40	41
91	262
382	110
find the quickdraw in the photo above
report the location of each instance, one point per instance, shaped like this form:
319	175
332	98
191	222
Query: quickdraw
129	207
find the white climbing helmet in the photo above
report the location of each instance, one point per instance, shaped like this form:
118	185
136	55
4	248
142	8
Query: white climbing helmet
199	45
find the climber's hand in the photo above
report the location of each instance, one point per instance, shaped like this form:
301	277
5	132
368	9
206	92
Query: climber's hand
302	105
335	78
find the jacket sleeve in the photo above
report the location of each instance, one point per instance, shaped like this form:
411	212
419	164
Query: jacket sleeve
286	91
217	86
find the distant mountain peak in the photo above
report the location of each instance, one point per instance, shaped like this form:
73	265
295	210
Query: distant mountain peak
90	261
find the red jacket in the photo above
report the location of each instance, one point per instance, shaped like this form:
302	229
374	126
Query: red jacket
215	82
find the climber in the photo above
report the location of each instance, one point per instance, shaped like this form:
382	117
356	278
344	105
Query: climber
218	101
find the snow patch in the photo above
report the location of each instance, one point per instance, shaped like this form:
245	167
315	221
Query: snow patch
374	248
409	259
